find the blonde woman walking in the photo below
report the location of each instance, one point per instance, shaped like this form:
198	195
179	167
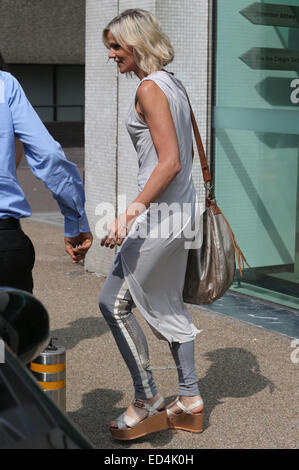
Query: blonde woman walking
149	269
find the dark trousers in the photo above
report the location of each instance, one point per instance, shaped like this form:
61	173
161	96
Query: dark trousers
16	256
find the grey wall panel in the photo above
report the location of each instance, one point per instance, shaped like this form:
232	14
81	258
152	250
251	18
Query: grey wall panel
186	24
127	159
42	31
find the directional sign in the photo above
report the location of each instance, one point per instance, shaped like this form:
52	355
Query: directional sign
265	58
269	14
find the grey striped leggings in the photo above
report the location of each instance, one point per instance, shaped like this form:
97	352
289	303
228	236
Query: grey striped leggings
116	305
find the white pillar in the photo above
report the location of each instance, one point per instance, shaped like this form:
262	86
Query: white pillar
110	159
100	124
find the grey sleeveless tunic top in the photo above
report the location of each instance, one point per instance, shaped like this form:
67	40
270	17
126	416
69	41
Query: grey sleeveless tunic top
154	255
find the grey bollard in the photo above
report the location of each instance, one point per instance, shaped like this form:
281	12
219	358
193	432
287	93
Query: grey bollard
49	369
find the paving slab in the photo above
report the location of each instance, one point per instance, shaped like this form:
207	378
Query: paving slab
248	376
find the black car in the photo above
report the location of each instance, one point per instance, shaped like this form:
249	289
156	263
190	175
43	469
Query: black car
29	419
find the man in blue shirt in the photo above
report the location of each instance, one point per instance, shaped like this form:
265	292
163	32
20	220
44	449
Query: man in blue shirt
47	162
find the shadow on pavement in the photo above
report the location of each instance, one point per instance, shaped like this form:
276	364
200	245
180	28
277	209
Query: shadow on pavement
234	373
79	330
97	410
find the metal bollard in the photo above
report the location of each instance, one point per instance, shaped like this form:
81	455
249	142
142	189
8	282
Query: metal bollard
49	369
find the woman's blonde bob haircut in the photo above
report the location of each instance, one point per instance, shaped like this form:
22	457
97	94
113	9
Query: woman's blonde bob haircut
142	31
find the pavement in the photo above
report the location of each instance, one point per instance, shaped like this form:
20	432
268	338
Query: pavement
247	378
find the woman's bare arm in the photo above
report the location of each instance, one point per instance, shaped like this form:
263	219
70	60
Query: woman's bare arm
155	110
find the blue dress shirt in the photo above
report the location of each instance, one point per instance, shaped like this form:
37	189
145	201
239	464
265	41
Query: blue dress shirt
45	158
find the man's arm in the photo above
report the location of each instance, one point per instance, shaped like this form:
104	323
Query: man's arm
48	163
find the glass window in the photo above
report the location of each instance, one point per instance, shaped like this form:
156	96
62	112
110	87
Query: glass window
256	129
37	82
55	91
70	92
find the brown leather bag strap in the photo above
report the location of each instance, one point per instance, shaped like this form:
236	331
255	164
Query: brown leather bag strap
201	152
212	202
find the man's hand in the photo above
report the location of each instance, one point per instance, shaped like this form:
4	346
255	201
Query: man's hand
78	246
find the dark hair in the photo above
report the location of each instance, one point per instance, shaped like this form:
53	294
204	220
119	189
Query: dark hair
3	65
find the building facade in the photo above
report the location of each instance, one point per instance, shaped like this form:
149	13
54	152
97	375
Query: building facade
256	140
239	62
110	159
43	44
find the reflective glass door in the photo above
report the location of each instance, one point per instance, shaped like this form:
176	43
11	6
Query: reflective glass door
256	129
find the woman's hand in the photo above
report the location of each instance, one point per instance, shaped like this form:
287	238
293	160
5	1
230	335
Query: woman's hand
120	228
117	232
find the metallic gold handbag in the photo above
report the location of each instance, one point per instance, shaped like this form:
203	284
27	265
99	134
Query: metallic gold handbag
211	268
